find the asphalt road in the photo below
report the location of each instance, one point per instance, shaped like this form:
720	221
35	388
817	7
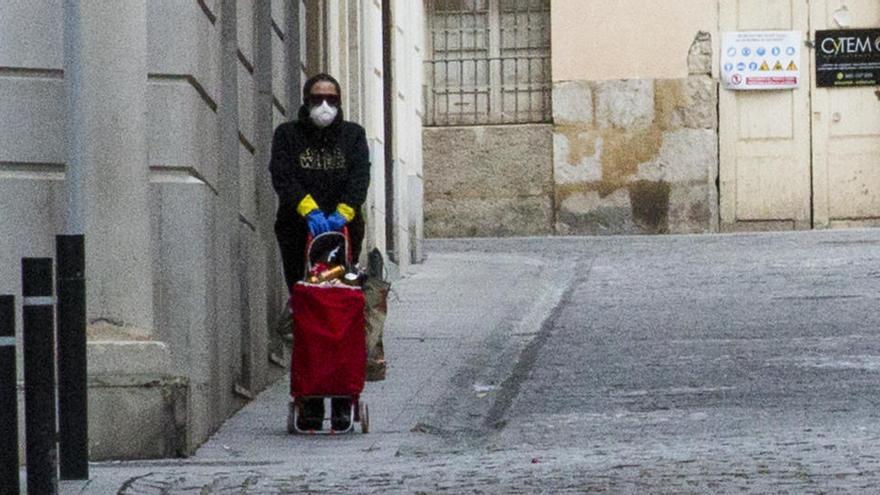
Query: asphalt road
677	364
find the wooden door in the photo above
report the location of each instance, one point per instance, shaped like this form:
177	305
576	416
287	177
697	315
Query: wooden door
765	135
846	131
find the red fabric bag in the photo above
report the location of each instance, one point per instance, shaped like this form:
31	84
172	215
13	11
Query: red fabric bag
329	341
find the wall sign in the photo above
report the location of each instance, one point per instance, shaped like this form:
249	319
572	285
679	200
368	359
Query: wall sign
848	58
761	60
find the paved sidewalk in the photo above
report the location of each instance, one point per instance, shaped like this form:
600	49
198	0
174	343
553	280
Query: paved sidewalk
456	325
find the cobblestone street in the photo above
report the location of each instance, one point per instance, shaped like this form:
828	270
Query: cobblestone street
680	364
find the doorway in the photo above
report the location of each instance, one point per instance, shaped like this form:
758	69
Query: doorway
801	159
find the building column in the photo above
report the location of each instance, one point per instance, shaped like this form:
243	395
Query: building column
105	71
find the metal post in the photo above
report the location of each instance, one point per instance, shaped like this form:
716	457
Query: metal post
9	477
39	376
72	374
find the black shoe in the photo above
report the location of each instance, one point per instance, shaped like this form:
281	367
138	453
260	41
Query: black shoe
341	414
312	415
308	424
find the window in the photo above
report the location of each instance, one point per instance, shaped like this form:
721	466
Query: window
489	62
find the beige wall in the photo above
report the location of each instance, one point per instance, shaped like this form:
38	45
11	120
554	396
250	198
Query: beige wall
627	39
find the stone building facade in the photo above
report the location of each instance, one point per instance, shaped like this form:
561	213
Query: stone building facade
146	126
644	140
638	155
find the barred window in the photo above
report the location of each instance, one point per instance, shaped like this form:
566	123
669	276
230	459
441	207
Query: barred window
489	62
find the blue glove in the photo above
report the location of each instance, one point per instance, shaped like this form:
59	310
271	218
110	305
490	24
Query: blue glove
336	221
317	222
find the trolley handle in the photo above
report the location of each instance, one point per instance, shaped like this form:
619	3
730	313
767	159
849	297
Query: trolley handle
310	240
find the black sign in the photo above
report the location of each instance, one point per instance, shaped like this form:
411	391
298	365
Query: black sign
848	58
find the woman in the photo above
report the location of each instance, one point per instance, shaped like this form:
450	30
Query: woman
320	170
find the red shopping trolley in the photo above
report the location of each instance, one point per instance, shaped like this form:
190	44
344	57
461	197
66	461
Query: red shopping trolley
329	342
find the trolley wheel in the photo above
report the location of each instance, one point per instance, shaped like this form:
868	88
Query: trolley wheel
364	413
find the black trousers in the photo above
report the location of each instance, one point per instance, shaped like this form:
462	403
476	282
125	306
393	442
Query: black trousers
292	235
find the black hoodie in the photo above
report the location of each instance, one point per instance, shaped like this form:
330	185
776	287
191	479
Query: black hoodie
330	164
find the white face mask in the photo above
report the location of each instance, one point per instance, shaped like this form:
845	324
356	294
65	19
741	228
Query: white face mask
323	115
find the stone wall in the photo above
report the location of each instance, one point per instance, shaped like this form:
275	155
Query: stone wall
622	157
638	156
488	181
215	304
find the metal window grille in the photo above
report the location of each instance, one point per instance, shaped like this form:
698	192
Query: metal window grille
489	62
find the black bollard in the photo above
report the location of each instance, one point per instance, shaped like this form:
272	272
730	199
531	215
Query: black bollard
72	374
9	477
39	376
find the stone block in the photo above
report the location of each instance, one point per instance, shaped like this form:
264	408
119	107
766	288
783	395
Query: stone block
181	254
685	155
31	35
577	157
181	40
701	106
246	28
700	54
247	186
213	6
650	206
278	118
279	13
573	103
691	208
137	417
279	76
32	206
184	284
181	129
246	105
33	125
625	104
587	212
487	162
255	315
117	358
489	217
136	410
581	203
691	103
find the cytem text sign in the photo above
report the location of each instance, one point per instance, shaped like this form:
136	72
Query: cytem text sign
848	58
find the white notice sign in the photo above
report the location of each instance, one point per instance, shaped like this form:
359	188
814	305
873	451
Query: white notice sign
761	60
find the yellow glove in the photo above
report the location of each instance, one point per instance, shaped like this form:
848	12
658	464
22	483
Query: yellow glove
346	211
306	206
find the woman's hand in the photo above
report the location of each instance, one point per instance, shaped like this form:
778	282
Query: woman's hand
317	222
336	221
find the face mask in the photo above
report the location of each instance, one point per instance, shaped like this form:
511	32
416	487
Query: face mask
323	115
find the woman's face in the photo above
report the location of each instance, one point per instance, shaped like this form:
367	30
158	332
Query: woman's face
323	91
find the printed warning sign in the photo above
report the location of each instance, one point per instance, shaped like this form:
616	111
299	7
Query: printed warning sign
753	60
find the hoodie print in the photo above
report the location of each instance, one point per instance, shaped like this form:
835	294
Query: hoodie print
322	159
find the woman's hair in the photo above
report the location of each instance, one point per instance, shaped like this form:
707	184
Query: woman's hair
307	87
